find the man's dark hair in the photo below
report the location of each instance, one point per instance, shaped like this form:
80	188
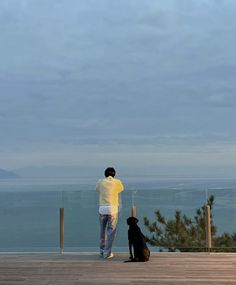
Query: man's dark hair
110	171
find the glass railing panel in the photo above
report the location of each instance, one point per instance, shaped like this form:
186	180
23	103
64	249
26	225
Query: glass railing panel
29	221
223	218
167	201
81	220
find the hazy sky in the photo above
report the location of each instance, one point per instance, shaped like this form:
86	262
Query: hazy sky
125	83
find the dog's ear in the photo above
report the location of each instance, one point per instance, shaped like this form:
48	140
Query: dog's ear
132	221
128	221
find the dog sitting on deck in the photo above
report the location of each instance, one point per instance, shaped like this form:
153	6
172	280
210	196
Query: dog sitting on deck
137	242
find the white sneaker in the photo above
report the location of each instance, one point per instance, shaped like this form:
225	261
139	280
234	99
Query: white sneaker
109	256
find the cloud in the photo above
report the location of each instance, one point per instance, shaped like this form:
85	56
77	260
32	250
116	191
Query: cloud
116	73
123	156
222	100
218	99
3	115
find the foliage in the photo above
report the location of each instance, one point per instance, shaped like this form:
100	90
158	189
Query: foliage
186	234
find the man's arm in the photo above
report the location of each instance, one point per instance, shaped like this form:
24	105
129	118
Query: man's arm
120	186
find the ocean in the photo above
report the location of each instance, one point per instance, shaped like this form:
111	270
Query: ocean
29	209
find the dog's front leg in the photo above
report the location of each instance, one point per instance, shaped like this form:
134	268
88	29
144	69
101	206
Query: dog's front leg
130	251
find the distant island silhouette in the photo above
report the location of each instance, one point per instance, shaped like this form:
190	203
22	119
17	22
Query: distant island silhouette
6	174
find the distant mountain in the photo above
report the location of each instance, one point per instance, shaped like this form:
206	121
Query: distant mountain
58	171
78	171
5	174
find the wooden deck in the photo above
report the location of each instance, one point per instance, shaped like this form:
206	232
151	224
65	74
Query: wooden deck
75	268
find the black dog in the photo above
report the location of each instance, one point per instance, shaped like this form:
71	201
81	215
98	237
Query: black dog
137	241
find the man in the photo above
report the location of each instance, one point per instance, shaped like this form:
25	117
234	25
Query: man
109	189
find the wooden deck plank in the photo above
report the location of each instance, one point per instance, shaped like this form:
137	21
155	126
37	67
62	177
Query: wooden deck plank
72	269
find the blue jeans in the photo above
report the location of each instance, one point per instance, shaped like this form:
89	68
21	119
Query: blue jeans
108	225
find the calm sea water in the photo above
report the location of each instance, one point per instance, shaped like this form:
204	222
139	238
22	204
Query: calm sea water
29	209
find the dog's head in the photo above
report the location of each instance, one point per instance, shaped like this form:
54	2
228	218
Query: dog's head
132	221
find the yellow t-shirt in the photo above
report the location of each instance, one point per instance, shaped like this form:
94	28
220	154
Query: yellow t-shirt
109	188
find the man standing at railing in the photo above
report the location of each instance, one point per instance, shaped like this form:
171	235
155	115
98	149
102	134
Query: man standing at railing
109	189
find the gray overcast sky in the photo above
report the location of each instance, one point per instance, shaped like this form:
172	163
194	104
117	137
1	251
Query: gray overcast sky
127	83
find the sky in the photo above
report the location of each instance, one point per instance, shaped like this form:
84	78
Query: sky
135	84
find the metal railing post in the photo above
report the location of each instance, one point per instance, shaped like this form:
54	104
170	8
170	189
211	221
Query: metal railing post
208	228
62	229
133	212
133	209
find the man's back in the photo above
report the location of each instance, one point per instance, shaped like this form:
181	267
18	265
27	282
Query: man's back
109	188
